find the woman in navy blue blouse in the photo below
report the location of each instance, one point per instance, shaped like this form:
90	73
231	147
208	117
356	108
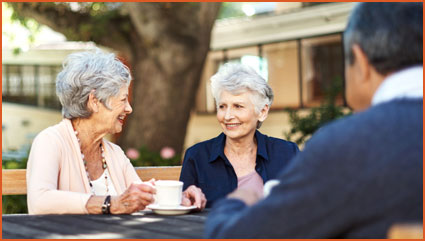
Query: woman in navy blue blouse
240	157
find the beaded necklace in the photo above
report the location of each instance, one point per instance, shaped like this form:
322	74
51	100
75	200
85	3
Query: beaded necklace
104	166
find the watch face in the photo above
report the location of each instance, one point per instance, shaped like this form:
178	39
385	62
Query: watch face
106	205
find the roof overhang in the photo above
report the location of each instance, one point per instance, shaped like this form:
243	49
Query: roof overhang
302	23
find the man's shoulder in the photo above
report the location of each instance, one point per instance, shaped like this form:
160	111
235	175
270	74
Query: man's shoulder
376	121
389	113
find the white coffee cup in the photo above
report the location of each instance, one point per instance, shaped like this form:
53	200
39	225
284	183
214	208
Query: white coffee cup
168	193
269	185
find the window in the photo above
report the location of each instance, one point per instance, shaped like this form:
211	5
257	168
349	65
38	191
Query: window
300	72
323	68
283	73
31	85
259	64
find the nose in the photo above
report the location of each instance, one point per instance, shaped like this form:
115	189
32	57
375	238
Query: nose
128	108
229	114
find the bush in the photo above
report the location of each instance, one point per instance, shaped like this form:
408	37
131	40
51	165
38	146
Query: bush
304	126
145	157
14	204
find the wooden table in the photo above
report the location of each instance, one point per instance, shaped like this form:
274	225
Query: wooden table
144	224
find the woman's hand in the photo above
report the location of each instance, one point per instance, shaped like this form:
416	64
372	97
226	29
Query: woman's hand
194	196
135	198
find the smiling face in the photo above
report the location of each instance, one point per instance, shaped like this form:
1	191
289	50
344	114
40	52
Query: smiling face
113	118
237	116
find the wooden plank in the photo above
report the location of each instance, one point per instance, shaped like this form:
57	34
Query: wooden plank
406	231
159	173
14	180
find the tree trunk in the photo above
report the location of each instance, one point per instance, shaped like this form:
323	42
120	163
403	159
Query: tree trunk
166	78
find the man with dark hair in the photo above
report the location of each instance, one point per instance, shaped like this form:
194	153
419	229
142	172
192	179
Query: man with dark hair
358	175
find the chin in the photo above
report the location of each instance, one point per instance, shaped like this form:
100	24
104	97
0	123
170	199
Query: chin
232	135
116	130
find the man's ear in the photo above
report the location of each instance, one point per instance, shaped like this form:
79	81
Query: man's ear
363	65
93	102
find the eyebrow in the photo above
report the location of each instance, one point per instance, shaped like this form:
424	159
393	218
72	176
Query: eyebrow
238	103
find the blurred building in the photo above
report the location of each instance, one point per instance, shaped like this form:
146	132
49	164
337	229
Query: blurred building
297	48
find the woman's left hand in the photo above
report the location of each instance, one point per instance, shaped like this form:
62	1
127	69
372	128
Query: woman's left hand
194	196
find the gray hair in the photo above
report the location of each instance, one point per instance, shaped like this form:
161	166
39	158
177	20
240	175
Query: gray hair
389	33
238	78
86	71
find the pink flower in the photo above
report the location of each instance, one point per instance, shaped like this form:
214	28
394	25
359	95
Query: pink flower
167	152
132	153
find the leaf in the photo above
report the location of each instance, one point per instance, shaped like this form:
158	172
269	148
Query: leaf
305	126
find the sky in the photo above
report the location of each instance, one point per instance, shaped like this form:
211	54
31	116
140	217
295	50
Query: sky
14	35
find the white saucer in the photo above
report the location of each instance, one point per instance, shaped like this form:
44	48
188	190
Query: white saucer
170	210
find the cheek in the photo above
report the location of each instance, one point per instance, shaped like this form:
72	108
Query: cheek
220	115
354	96
349	87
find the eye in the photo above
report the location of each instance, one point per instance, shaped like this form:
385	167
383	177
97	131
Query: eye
221	106
238	106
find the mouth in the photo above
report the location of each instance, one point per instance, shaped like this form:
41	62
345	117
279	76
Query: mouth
121	119
232	125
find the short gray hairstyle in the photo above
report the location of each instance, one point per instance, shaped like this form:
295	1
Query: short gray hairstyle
237	78
86	71
389	33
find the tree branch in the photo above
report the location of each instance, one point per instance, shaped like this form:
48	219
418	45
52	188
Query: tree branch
183	20
79	25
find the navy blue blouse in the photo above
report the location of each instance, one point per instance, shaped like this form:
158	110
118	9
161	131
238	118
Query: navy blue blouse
206	166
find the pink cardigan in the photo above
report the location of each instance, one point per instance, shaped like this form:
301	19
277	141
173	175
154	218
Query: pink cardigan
56	178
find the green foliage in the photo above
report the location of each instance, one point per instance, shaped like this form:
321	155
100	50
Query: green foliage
151	158
15	164
14	203
230	10
9	17
95	26
17	51
304	126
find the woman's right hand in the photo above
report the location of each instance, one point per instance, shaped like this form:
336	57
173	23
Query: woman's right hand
135	198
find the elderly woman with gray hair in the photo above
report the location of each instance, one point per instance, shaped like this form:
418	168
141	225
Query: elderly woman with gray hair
240	157
71	167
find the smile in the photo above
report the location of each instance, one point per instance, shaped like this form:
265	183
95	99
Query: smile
233	124
121	118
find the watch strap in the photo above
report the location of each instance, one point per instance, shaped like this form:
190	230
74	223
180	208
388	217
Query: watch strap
106	207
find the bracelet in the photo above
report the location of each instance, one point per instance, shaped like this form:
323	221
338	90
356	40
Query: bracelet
106	207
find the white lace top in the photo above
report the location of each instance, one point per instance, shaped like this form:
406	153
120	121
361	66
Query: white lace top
99	185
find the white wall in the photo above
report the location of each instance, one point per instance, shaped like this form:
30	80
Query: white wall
21	123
